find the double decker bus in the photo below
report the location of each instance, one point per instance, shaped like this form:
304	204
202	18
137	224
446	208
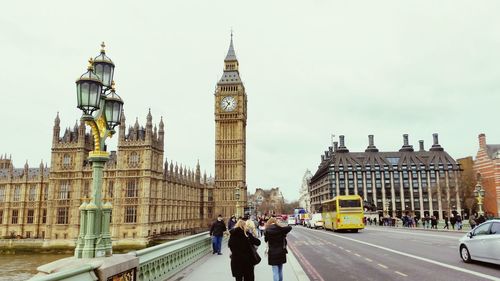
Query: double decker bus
343	212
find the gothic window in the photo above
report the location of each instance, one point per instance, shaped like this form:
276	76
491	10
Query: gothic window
110	189
133	160
32	193
86	189
2	194
15	214
31	213
66	161
131	214
17	193
64	190
44	215
131	188
62	215
1	216
45	193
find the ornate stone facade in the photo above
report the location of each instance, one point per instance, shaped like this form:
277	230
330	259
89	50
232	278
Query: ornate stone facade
230	139
267	201
304	198
150	198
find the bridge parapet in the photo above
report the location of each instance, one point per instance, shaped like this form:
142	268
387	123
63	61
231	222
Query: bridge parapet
155	263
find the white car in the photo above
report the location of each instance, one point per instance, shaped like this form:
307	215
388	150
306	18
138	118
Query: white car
291	221
316	221
482	243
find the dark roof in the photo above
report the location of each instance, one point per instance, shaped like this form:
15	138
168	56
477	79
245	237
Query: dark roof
230	77
32	172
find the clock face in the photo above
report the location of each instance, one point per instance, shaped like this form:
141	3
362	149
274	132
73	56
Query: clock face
228	103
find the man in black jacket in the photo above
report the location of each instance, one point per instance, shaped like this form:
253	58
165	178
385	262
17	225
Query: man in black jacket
217	231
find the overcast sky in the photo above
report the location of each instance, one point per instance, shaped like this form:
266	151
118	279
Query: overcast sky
311	69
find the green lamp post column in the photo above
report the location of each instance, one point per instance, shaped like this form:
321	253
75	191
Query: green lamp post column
479	194
102	109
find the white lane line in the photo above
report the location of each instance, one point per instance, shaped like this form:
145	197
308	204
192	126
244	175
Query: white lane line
486	276
415	233
341	248
381	265
348	251
368	259
357	255
400	273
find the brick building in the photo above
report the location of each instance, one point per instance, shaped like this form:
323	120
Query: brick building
487	163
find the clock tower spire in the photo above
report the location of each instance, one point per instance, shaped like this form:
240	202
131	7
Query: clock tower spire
230	139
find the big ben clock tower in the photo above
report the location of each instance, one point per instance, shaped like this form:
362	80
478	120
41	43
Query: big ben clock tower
230	139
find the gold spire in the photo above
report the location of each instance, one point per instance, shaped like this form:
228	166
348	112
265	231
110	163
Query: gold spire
102	47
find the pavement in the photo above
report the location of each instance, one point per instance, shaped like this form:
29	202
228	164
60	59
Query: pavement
218	268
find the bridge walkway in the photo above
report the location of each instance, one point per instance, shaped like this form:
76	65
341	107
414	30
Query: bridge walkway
218	268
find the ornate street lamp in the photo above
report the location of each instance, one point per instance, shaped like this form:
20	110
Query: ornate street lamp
479	194
102	112
237	197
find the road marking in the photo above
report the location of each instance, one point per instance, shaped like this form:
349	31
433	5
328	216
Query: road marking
368	259
314	274
486	276
340	247
348	251
381	265
416	234
357	255
400	273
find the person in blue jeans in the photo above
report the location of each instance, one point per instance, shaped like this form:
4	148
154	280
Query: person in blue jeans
275	236
217	232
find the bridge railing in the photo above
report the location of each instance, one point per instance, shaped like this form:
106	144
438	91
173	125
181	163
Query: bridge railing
155	263
165	260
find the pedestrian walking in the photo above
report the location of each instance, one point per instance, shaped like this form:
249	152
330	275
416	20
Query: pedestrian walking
275	236
250	227
452	221
231	222
217	231
446	223
244	256
472	221
458	222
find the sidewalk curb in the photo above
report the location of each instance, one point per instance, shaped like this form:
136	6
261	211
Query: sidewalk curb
297	268
418	229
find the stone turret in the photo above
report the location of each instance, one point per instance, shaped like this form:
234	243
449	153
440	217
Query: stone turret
149	126
56	129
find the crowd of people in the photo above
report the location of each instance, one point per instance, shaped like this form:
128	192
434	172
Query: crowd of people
244	234
454	221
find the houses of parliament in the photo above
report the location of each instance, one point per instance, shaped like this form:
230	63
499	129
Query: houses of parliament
150	197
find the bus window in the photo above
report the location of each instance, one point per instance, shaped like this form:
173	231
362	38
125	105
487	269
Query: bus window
350	203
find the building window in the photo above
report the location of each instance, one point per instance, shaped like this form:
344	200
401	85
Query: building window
1	216
85	191
64	190
133	160
131	214
45	193
32	193
17	193
44	215
131	188
62	215
15	214
110	189
2	194
66	161
31	215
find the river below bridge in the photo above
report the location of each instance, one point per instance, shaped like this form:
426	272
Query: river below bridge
16	267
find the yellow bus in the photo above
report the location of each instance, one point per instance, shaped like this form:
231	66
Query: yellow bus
343	212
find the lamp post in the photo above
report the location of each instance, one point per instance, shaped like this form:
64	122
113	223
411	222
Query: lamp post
237	197
479	194
102	109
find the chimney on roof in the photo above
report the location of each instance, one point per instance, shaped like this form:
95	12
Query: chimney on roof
421	144
406	144
482	140
371	145
330	149
435	145
342	147
335	146
405	139
322	158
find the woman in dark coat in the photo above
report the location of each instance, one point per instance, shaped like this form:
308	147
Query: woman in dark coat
275	236
240	241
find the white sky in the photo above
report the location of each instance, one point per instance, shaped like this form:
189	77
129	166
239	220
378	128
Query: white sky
311	69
